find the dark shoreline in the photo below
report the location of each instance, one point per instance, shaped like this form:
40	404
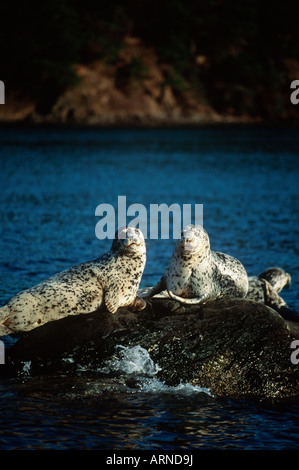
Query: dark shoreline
275	124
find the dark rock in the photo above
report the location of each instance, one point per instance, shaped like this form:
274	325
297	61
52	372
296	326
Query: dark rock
236	348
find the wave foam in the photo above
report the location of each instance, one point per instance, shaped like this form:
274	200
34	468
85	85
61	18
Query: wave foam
136	361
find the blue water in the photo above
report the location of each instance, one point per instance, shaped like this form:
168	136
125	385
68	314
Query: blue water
51	182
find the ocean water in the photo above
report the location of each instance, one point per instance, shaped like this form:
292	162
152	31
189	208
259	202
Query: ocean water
52	180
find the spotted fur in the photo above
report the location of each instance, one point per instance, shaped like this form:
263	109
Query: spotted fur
111	280
266	286
278	278
196	274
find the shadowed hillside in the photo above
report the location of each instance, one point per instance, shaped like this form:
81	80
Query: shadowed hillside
146	62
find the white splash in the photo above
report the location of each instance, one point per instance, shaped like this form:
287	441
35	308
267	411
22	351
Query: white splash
155	385
137	361
26	368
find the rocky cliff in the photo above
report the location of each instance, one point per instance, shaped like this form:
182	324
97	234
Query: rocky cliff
138	89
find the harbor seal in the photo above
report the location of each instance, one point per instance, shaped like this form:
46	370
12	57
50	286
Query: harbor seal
278	278
112	280
266	286
196	274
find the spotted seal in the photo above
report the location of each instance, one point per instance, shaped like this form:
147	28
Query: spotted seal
196	274
266	286
112	280
278	278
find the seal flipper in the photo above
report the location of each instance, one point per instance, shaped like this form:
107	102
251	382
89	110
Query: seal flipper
192	301
272	298
137	304
4	327
159	287
111	296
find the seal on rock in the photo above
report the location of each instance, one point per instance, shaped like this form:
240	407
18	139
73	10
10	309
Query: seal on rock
266	286
277	277
112	280
196	274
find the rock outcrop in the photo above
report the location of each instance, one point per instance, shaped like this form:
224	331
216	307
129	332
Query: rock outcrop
236	348
137	90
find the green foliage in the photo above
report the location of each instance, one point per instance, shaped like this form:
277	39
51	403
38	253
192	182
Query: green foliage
134	71
174	80
102	27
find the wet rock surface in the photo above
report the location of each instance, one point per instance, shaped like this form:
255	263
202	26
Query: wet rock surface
236	348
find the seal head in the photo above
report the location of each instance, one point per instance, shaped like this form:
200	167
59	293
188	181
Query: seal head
129	241
194	243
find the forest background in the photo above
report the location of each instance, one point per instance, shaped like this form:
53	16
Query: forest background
149	62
